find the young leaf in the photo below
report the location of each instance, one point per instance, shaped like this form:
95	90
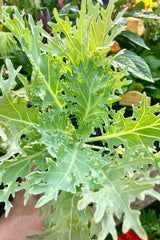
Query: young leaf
88	91
90	39
49	77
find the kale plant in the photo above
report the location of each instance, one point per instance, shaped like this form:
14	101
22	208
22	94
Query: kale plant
83	185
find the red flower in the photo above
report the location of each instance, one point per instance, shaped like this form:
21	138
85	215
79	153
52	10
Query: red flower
130	235
60	4
122	237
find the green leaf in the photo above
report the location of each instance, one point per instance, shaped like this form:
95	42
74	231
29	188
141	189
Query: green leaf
87	85
31	6
2	134
151	222
68	222
8	84
15	113
8	43
55	128
136	65
92	36
119	3
19	167
134	38
20	58
143	128
70	171
139	14
94	89
152	61
115	197
45	67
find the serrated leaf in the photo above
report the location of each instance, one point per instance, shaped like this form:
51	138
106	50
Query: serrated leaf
8	84
67	223
143	130
133	37
102	24
88	91
108	226
136	65
92	36
115	198
8	43
55	128
86	85
124	189
48	73
70	171
19	167
14	113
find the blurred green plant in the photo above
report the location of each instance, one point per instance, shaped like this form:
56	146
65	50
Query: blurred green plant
143	20
151	223
30	6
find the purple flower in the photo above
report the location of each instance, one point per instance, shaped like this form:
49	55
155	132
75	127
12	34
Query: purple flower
79	5
45	19
42	17
48	16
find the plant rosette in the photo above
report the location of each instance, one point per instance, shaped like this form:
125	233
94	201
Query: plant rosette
74	74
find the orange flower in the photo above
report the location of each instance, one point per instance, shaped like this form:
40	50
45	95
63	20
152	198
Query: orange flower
115	47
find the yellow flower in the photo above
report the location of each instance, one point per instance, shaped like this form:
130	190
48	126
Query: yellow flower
148	3
153	5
